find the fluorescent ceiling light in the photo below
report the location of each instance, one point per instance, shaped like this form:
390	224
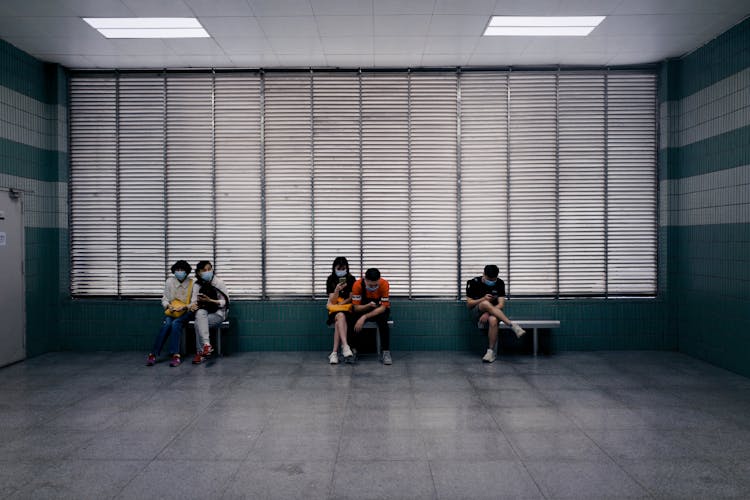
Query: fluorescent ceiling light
542	26
148	27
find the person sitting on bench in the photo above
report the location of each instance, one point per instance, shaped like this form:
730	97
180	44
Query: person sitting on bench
175	301
339	289
210	301
370	296
485	297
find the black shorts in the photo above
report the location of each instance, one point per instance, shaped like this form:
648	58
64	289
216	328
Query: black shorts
349	318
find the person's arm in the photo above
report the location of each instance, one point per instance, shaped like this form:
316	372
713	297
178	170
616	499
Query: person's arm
472	298
194	297
167	297
221	301
357	291
335	291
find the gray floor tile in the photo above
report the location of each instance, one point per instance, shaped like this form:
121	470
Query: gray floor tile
77	479
685	479
644	443
584	480
382	479
181	479
480	479
494	382
300	445
121	444
535	418
281	480
15	475
286	421
447	399
359	418
514	398
455	419
382	445
44	445
606	418
467	445
541	445
209	444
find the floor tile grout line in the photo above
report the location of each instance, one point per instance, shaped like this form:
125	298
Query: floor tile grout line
507	440
332	482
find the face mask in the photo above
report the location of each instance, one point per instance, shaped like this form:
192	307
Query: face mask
207	275
180	275
341	274
371	288
490	283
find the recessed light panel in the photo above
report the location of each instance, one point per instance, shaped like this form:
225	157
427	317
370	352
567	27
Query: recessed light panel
148	27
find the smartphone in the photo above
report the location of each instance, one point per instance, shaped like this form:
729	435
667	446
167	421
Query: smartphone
342	279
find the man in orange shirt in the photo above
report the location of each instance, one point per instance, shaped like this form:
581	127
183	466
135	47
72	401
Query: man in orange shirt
372	303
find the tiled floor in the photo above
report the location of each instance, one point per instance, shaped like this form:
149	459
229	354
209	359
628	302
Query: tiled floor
433	425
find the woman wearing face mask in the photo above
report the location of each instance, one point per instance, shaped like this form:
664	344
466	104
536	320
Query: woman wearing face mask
209	302
339	289
177	291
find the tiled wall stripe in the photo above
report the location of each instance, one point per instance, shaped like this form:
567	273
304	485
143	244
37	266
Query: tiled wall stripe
419	325
714	110
31	122
33	163
45	204
721	197
726	55
721	152
28	76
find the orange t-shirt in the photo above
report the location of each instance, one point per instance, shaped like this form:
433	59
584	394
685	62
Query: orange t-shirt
380	295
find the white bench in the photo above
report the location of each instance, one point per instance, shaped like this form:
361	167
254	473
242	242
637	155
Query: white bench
534	324
373	325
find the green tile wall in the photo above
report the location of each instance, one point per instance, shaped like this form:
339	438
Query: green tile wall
708	263
34	92
90	325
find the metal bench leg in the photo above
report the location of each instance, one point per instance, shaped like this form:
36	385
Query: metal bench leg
218	339
377	338
536	342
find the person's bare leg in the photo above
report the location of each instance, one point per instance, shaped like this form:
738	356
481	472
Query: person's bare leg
498	313
492	332
340	330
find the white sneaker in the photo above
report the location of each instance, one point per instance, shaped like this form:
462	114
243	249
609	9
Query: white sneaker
517	329
333	358
489	356
387	358
348	354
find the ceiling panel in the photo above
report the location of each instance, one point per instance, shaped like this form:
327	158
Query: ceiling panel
276	8
232	26
365	33
342	7
289	26
330	26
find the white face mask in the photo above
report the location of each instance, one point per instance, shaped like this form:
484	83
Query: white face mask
341	274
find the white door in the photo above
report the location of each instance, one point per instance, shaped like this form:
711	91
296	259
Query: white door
13	291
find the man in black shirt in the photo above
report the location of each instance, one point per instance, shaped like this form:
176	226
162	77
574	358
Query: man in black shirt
485	297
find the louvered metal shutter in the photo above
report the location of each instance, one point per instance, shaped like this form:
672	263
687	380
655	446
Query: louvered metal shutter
141	165
93	181
433	184
190	180
631	184
288	167
385	171
484	170
238	182
581	184
336	139
533	184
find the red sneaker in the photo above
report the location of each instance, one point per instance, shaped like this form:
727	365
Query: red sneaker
207	350
150	360
197	359
176	360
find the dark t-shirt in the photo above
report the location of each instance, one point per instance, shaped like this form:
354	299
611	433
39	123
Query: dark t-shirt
333	281
476	289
